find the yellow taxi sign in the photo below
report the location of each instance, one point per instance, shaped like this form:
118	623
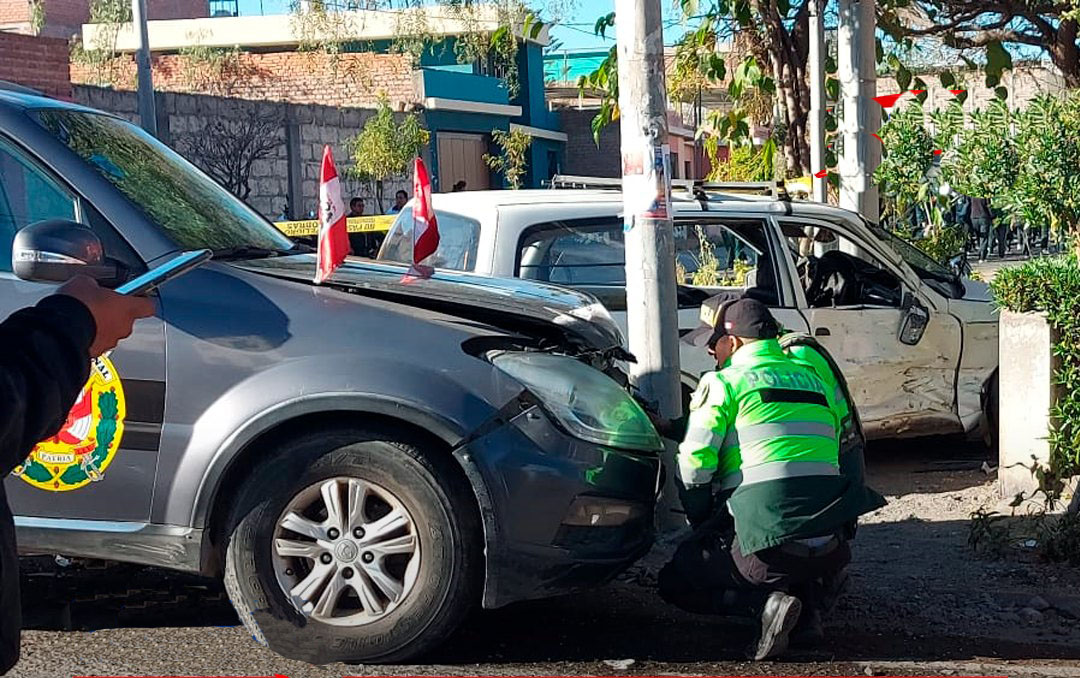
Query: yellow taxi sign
373	224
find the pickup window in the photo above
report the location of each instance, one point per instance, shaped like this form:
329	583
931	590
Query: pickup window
459	237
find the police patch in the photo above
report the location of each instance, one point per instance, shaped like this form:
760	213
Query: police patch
86	444
700	395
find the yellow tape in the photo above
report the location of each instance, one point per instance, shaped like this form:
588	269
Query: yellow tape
373	224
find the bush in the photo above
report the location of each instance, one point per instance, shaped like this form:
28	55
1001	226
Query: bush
1052	286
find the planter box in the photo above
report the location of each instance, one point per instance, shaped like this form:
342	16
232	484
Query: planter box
1027	365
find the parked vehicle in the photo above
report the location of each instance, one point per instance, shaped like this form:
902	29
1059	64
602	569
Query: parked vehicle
917	343
363	461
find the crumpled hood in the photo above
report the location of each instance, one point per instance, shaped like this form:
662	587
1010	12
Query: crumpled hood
510	303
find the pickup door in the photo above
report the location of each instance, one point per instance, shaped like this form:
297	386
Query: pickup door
715	254
854	299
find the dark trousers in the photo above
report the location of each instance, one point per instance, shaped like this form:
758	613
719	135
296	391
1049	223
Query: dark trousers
709	573
1001	236
981	226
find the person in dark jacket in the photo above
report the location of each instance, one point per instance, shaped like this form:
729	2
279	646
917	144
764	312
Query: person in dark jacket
45	354
982	223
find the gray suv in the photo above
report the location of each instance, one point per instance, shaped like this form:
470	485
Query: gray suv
362	461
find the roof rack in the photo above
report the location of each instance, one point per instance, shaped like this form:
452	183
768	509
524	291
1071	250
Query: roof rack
698	188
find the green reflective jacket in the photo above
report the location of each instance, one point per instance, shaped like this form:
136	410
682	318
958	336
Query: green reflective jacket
766	429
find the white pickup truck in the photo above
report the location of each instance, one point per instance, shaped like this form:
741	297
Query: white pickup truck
917	344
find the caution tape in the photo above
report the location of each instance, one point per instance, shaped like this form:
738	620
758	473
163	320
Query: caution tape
374	224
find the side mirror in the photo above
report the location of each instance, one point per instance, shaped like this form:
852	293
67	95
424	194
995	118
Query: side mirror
56	250
916	318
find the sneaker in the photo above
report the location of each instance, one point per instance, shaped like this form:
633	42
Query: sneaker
778	619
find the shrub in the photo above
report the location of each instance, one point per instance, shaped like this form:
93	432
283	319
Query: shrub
1052	286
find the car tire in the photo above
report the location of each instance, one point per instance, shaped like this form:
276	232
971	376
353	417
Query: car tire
443	588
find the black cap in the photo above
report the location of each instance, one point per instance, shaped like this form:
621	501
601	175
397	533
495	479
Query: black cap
747	318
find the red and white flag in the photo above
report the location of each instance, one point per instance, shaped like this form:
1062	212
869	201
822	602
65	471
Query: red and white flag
333	243
425	227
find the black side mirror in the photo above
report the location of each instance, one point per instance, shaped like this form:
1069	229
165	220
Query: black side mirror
56	250
915	320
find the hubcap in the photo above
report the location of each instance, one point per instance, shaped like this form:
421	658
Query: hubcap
346	551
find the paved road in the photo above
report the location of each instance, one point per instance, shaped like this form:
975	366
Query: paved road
920	603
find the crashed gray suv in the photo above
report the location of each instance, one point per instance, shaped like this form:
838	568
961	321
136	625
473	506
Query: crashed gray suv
363	461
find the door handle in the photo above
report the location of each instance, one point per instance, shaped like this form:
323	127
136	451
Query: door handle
822	332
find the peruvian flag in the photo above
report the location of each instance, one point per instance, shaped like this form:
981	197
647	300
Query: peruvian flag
425	228
333	235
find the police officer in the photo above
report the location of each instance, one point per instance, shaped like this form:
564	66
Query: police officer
760	481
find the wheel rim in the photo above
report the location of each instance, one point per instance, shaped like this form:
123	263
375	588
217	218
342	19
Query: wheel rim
346	551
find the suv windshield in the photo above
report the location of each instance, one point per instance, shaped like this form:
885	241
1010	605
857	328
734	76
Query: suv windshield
192	208
937	276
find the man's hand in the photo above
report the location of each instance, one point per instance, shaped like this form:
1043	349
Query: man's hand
113	313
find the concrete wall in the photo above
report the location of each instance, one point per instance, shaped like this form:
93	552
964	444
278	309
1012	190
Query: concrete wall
40	63
1026	396
291	173
1025	82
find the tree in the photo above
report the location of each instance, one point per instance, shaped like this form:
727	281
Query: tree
990	27
385	147
513	159
905	164
227	148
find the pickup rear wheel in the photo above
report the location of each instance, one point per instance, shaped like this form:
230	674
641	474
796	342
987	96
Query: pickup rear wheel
356	547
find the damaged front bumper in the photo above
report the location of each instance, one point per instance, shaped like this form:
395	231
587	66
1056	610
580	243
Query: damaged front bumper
559	514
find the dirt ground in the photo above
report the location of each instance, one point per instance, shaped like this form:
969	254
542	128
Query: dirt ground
920	602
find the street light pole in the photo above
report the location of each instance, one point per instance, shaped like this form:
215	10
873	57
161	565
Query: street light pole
862	115
817	99
147	112
651	307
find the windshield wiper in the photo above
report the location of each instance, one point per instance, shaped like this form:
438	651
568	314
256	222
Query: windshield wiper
252	252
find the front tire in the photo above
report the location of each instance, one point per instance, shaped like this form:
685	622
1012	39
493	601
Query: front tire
354	546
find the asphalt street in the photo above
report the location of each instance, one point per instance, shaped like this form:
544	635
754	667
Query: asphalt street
920	603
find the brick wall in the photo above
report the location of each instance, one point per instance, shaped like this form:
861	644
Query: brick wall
41	63
14	12
582	156
303	131
177	9
354	80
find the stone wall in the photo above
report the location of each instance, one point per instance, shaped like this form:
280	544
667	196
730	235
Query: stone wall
40	63
1025	82
290	174
350	80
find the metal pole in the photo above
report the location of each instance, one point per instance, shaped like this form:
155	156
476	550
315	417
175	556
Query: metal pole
862	115
817	99
147	113
651	308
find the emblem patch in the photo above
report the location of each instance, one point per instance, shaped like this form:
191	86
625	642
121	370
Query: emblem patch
88	440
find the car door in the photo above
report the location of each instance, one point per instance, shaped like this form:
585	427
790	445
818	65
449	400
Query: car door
729	255
100	466
856	301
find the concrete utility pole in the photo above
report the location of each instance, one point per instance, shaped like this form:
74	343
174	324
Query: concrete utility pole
862	115
147	113
817	99
651	307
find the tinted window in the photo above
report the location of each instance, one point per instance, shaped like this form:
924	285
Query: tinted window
459	237
27	195
193	209
575	254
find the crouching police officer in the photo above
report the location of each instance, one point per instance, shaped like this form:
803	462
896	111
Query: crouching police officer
763	432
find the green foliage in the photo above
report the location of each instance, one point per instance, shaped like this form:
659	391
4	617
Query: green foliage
513	160
983	161
906	160
1052	286
708	271
385	147
37	16
209	69
105	62
745	162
